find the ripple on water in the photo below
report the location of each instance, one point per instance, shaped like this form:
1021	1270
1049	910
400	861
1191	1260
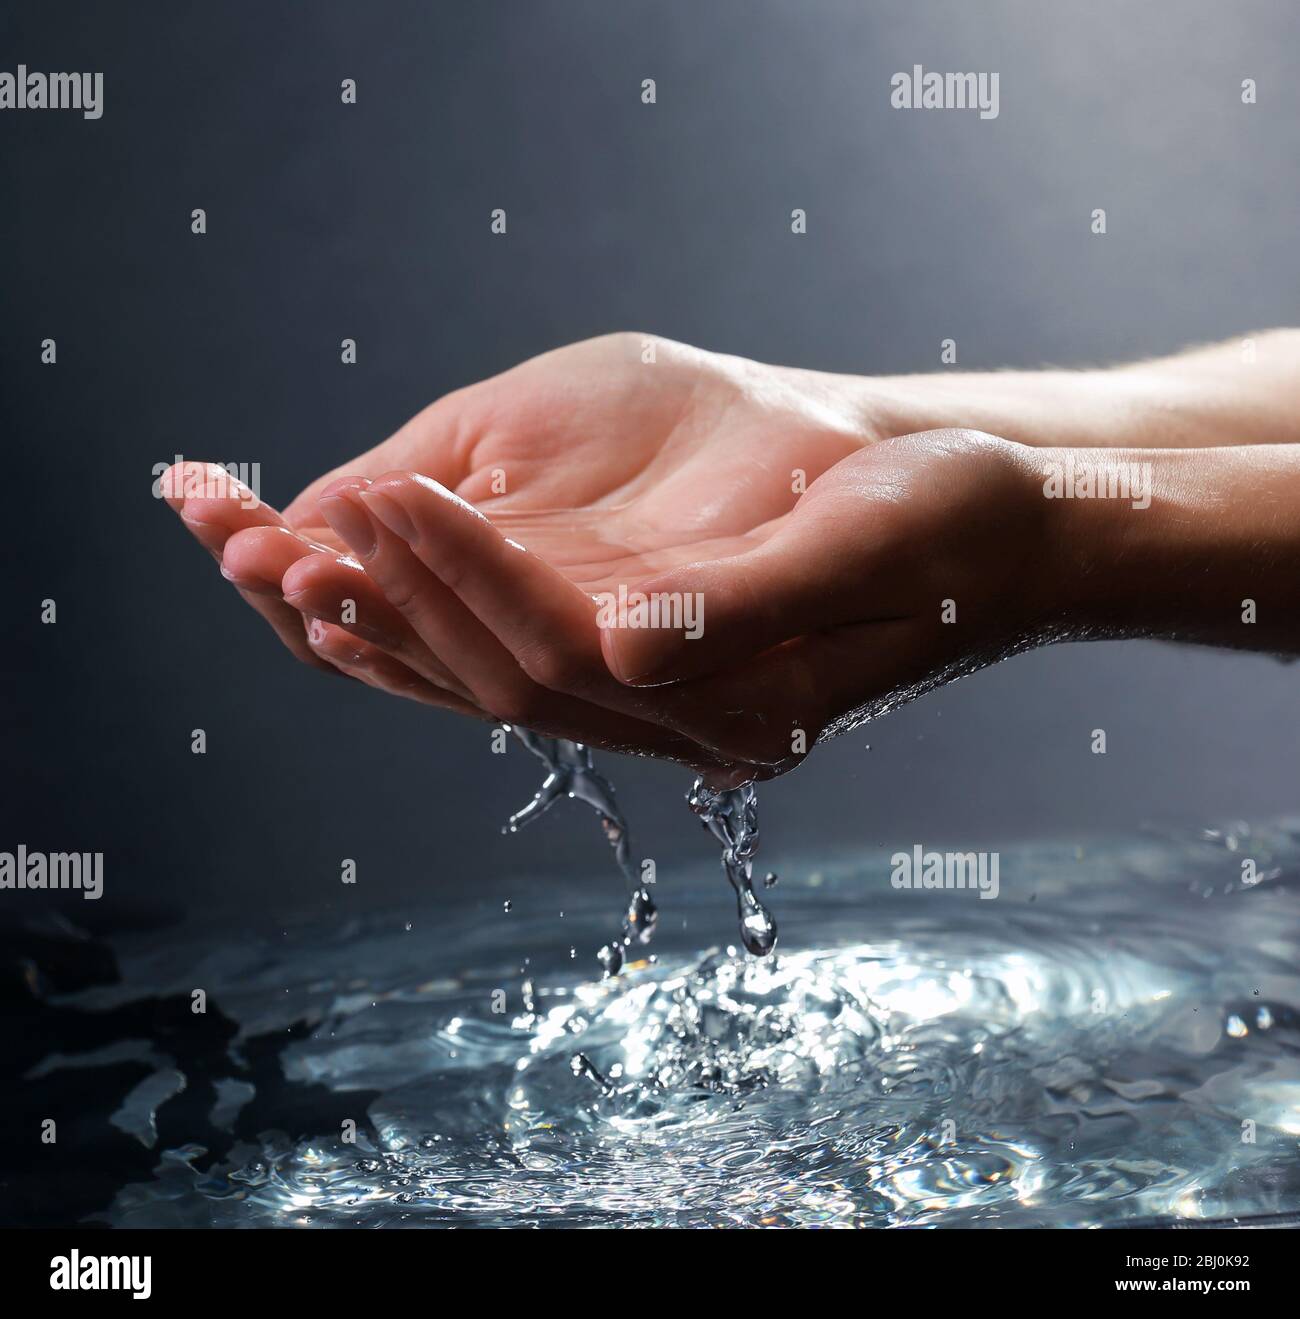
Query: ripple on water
1116	1039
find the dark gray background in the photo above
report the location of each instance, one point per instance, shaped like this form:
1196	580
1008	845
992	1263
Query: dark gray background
371	221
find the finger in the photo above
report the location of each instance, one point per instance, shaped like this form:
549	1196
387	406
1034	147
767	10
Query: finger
289	625
475	656
212	504
257	561
546	622
543	619
257	558
339	649
338	590
707	616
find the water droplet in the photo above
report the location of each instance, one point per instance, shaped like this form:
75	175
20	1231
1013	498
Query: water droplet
580	1065
639	922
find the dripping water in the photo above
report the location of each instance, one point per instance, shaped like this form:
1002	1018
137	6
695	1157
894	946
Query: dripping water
571	773
731	816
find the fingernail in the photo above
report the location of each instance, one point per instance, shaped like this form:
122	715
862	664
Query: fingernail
253	585
351	523
617	661
390	513
613	654
348	483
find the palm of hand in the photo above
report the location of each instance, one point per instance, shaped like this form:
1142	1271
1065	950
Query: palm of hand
612	469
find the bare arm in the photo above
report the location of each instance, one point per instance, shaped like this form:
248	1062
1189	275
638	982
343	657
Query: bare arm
1244	391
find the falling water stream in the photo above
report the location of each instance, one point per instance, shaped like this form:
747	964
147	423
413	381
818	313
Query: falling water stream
730	815
571	773
732	818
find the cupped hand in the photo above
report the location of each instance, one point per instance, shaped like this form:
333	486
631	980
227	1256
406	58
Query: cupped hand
474	569
617	457
904	565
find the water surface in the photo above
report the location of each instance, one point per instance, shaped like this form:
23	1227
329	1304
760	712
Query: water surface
1116	1038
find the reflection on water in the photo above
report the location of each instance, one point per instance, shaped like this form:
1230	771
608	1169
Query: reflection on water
1116	1038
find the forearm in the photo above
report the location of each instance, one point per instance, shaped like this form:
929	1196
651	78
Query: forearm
1213	557
1245	391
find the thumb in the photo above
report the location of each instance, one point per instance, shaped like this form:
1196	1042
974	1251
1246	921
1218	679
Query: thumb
707	616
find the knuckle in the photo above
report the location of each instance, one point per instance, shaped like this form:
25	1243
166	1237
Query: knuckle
405	597
554	666
453	574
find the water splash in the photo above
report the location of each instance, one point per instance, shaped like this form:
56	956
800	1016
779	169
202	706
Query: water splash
1081	1052
581	1065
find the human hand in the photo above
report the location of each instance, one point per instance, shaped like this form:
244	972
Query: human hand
842	607
609	466
904	564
